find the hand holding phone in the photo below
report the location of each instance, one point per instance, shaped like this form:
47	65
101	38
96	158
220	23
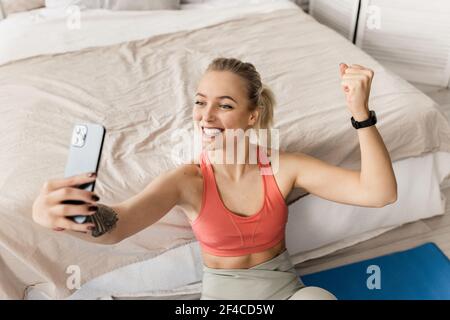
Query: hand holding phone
49	212
84	157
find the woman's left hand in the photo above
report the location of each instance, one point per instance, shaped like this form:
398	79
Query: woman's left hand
356	82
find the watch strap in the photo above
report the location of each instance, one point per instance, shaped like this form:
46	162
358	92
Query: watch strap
366	123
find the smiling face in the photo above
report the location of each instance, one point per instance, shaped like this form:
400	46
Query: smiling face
221	103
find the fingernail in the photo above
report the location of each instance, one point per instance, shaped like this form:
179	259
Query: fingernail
95	198
93	208
92	174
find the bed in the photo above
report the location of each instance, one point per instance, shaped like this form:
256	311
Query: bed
139	83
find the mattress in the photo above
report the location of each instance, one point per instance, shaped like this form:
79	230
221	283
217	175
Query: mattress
138	82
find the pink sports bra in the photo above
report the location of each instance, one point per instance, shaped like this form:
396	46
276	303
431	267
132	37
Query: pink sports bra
224	233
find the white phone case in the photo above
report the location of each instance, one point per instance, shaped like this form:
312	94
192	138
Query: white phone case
84	156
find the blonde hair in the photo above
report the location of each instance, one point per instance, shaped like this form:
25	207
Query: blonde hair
259	94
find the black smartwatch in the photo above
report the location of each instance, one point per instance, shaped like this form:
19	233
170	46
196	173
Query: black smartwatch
366	123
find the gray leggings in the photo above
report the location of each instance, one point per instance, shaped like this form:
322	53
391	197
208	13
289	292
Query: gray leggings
275	279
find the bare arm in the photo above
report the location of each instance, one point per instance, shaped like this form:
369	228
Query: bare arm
377	176
133	215
109	236
150	205
375	185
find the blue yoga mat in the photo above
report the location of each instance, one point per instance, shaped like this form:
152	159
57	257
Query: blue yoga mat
421	273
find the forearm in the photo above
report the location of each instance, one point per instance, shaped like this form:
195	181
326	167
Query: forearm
377	175
106	230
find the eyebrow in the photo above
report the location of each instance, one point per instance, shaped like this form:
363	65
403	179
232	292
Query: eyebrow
221	97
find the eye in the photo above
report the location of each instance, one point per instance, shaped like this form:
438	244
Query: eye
198	103
226	106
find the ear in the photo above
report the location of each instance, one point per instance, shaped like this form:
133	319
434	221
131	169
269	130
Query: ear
254	115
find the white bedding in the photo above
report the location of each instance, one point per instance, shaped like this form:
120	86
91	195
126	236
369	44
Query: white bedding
43	32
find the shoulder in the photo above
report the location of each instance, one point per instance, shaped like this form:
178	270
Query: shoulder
177	177
186	172
187	177
295	163
286	158
181	178
292	157
189	181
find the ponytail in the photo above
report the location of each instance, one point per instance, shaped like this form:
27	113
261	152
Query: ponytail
267	104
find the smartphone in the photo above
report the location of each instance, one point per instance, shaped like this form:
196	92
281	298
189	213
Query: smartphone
84	156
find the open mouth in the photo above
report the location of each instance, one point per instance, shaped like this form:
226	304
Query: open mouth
212	132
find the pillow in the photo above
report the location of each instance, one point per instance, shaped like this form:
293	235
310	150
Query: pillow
117	4
227	3
11	6
224	1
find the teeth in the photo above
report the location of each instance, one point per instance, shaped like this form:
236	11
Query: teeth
212	131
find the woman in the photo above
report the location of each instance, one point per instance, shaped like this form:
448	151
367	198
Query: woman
237	213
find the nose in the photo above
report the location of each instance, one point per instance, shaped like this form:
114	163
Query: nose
208	114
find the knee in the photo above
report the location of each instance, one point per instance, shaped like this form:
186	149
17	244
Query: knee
312	293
